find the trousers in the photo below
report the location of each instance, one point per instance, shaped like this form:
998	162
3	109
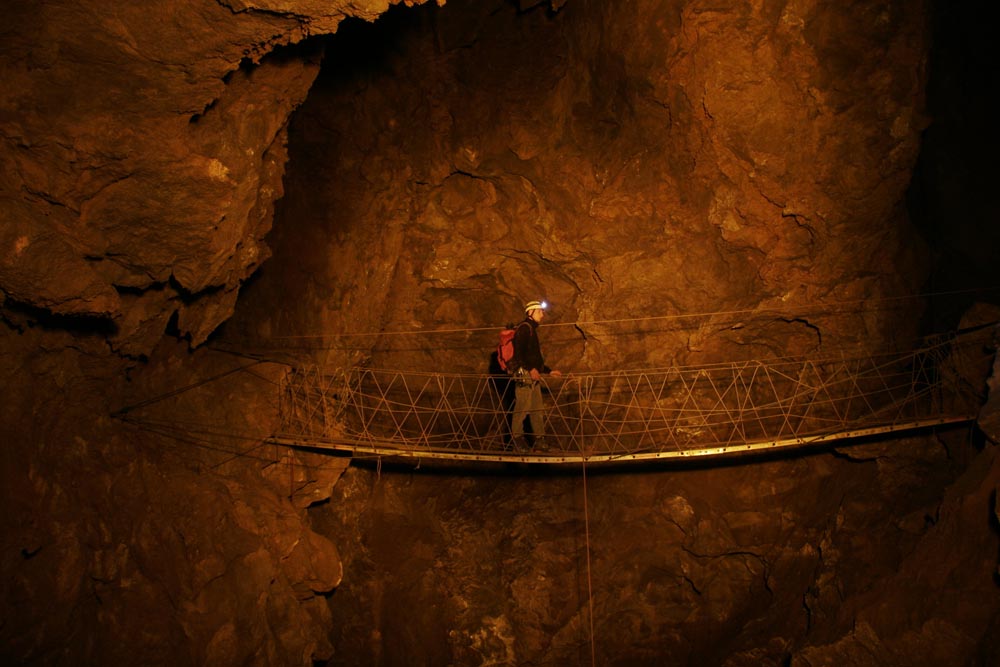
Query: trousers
528	403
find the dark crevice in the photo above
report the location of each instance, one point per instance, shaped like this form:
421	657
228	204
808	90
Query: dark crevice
24	315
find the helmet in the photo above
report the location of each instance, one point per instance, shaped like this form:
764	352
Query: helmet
533	305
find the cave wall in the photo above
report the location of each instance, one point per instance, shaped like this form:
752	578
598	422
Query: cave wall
144	147
953	180
143	150
780	562
744	161
654	157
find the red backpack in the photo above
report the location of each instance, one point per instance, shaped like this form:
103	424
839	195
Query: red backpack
505	348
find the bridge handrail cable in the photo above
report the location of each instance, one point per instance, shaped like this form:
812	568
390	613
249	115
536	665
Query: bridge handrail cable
668	411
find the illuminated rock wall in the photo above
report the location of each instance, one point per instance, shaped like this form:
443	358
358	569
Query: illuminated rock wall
736	170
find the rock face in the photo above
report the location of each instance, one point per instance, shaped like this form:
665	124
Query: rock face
150	543
764	563
143	149
685	181
140	164
745	162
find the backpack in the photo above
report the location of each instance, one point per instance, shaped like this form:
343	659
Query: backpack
505	348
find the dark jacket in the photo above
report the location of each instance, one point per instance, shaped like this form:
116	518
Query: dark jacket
527	351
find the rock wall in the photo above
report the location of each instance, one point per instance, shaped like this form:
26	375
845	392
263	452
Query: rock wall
144	147
143	150
763	563
736	168
745	162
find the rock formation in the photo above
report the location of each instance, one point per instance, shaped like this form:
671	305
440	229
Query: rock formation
196	195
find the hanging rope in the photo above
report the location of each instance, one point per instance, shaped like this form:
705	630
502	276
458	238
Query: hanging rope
590	584
826	307
181	390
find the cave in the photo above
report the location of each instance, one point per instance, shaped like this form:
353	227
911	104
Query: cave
202	201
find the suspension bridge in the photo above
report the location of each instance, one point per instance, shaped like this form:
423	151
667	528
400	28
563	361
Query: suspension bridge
635	415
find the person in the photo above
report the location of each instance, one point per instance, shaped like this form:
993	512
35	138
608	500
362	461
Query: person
503	384
528	366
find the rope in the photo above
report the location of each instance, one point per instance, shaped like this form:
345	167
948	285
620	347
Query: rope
677	409
621	412
170	394
824	307
188	435
590	585
843	355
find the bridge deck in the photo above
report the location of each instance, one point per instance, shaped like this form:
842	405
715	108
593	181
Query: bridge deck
558	455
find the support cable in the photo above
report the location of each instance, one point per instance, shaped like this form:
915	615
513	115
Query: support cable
180	390
590	585
821	307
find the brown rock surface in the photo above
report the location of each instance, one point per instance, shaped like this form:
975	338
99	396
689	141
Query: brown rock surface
139	160
149	542
143	148
700	165
736	170
754	564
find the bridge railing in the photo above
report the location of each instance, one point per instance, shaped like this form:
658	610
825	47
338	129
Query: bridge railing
675	411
